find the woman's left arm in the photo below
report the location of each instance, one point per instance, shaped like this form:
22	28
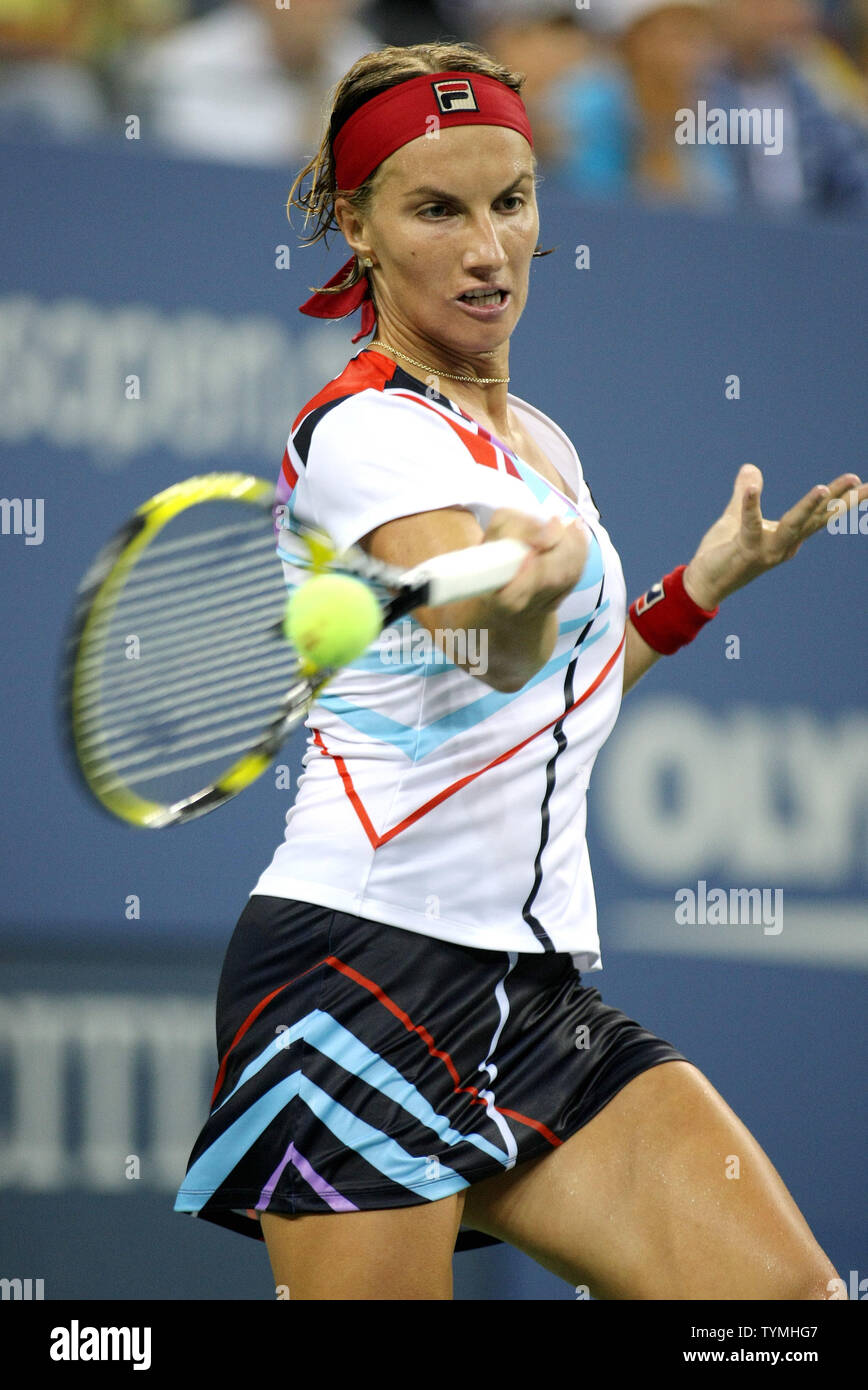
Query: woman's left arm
742	544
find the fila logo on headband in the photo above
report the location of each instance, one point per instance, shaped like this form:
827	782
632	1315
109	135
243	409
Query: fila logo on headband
654	595
454	94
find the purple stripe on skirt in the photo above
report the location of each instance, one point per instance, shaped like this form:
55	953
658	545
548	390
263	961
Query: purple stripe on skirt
319	1185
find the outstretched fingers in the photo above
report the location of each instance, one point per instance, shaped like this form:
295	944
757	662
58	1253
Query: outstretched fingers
749	480
845	494
813	511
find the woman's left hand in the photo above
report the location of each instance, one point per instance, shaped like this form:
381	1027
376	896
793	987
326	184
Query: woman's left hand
742	544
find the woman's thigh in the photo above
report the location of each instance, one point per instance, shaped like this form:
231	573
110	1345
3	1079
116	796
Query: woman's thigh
396	1253
664	1194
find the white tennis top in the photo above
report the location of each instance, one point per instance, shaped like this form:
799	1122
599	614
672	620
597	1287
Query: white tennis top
429	800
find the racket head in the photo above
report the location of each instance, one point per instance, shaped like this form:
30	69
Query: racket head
201	600
177	684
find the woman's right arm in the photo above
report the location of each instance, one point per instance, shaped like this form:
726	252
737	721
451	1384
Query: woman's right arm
520	620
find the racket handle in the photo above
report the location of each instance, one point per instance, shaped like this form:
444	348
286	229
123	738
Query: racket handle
478	569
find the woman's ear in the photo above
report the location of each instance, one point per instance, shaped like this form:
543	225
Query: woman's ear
352	228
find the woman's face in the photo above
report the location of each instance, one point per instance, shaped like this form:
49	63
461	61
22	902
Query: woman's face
451	213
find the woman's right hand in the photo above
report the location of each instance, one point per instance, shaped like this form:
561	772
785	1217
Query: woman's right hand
518	625
550	572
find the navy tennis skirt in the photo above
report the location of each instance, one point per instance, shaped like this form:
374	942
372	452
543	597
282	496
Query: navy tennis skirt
362	1066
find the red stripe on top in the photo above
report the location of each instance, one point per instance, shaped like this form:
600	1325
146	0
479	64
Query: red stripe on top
288	471
377	840
507	460
350	790
370	370
510	467
480	449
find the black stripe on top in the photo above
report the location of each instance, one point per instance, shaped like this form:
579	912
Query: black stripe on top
301	440
400	380
560	739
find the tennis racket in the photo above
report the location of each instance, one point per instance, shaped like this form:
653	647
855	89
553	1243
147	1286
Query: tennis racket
178	684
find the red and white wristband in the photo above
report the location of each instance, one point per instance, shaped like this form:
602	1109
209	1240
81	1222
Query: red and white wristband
666	617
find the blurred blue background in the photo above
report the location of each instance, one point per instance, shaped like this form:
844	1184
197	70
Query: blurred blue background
747	771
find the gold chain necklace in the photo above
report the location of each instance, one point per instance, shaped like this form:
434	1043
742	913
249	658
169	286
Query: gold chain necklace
480	380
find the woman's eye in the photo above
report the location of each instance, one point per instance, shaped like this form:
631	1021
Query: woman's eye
440	207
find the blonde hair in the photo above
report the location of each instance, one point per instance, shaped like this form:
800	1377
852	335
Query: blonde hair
370	75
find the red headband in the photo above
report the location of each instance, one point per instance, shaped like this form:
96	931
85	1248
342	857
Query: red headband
392	119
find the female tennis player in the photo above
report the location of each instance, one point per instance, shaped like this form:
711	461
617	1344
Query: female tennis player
410	1062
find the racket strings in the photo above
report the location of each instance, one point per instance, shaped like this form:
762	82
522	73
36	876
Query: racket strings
297	699
213	735
206	674
169	543
112	782
176	694
160	578
181	649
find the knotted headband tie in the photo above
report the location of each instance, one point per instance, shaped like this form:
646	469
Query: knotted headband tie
394	118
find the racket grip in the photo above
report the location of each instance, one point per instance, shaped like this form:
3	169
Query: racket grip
477	569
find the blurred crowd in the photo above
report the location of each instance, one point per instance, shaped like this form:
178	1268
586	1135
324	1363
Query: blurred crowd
247	81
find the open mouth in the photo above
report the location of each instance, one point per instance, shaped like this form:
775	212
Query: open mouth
481	300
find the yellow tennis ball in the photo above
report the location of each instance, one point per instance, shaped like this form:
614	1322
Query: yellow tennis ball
331	619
